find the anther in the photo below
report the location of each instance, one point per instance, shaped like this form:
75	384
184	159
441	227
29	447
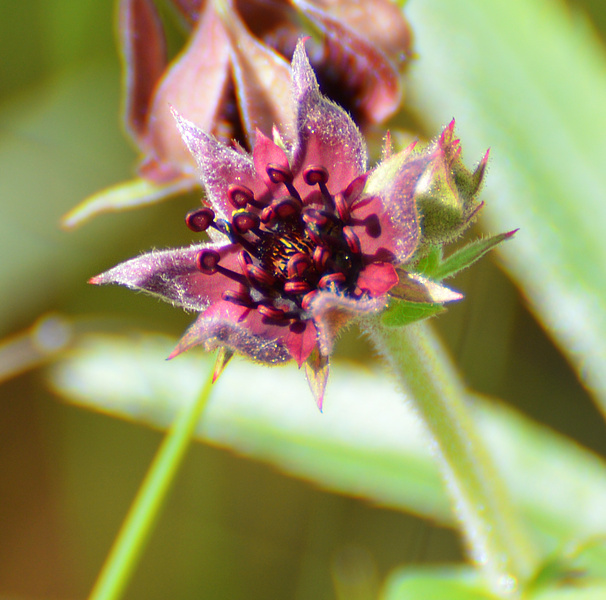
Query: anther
315	174
287	207
267	215
239	195
260	276
279	174
320	256
307	299
271	312
318	175
297	265
333	279
315	217
243	221
341	206
240	297
353	241
207	261
296	287
200	219
244	259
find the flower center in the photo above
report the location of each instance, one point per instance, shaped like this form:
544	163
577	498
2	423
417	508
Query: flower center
289	249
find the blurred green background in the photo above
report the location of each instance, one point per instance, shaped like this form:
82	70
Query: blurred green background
233	528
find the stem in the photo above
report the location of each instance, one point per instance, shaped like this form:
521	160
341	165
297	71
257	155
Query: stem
143	514
495	537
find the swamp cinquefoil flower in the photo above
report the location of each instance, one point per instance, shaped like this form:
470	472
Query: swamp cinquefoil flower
304	238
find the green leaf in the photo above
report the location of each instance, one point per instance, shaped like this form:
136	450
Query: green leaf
466	256
367	442
526	79
446	583
403	312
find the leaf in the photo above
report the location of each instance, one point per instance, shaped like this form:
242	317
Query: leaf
524	78
402	312
367	442
446	583
123	196
467	255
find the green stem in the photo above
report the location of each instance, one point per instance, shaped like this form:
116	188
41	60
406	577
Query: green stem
496	539
138	525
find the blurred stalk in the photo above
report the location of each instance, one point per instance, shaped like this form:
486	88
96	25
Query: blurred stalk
495	537
138	525
34	347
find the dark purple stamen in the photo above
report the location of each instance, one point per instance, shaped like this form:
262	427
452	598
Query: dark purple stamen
341	207
318	175
315	174
200	219
288	252
353	241
207	261
332	279
278	174
271	312
240	297
320	257
239	196
297	287
297	265
244	221
316	217
287	207
260	276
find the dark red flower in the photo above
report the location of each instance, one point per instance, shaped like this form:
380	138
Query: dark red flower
304	237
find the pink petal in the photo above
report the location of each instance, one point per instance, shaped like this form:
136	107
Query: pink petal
333	311
265	152
226	325
301	340
219	166
377	279
172	276
244	330
326	134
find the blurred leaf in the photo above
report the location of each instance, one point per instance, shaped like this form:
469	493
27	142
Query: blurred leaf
435	584
135	193
367	442
528	79
592	591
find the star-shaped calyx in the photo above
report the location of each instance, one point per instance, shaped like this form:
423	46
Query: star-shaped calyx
304	238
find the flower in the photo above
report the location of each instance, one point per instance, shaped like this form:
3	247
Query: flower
304	238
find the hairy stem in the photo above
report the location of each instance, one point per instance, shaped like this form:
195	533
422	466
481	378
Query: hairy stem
495	538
